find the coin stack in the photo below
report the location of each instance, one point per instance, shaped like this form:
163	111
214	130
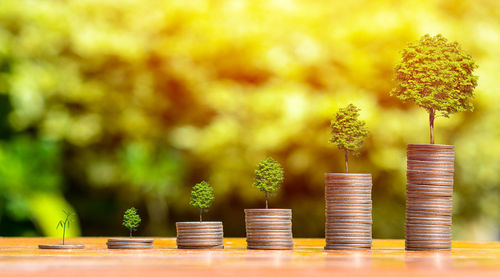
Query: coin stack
269	229
429	193
61	246
199	235
348	211
130	243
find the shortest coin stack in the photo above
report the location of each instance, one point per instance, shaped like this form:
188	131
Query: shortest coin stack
130	243
269	229
61	246
199	235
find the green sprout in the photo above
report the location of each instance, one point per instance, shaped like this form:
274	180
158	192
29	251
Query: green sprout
131	220
437	76
64	224
202	196
268	176
348	133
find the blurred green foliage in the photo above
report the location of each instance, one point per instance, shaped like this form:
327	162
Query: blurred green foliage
107	104
30	181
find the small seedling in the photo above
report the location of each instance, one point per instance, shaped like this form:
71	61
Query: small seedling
202	196
348	133
64	224
131	220
437	76
268	176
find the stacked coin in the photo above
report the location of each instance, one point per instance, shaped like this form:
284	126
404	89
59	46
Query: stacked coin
429	192
61	246
269	228
348	211
130	243
199	235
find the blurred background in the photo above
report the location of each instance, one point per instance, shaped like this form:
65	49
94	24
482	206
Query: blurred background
106	105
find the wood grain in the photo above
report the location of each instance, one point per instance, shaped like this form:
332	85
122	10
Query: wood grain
21	257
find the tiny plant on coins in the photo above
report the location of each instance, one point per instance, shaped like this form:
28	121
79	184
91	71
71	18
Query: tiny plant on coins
202	196
268	176
131	220
65	223
348	133
437	76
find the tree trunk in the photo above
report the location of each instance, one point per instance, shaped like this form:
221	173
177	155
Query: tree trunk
64	231
346	159
201	212
130	232
266	200
431	124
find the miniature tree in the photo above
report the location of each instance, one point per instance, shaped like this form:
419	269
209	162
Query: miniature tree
348	133
131	220
202	196
268	176
437	76
64	224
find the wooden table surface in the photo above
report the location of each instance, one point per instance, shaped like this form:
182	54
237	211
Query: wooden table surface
21	257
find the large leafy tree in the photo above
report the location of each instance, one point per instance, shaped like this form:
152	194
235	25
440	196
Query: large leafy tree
268	176
202	196
348	133
437	75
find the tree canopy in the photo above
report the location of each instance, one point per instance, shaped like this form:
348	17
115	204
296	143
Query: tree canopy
202	195
437	75
131	219
347	132
268	175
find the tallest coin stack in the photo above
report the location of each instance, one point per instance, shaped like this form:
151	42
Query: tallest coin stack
429	193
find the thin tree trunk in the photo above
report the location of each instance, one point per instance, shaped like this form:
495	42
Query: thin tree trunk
130	232
266	201
201	212
64	231
431	124
346	159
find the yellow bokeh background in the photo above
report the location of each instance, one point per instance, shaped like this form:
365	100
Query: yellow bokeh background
133	102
